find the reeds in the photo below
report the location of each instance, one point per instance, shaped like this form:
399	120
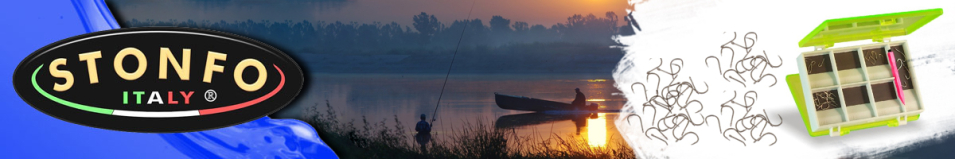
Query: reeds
471	140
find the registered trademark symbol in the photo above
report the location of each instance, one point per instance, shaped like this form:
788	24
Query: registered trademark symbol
210	95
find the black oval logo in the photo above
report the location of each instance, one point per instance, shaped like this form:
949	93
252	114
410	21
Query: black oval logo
158	79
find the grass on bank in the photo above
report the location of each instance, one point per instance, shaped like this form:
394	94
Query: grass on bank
478	140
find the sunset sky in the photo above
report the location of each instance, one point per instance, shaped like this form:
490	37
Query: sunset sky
546	12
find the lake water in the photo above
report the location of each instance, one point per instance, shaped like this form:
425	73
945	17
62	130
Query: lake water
467	99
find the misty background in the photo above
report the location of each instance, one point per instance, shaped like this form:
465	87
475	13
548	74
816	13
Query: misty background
354	36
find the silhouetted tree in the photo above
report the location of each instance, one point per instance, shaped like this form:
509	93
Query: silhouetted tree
477	32
500	25
540	33
426	25
612	20
520	26
368	34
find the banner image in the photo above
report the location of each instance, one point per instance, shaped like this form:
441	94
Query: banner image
476	79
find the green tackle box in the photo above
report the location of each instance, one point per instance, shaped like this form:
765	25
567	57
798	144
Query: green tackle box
843	89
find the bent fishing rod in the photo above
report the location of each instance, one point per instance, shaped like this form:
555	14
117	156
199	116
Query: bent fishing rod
456	47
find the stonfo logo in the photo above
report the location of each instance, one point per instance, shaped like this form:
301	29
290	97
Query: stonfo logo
158	79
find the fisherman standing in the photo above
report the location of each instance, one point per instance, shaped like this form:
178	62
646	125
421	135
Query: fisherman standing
424	133
423	126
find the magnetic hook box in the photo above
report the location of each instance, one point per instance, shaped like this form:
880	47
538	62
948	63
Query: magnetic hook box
843	89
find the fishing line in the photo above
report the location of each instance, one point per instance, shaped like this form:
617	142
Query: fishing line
456	47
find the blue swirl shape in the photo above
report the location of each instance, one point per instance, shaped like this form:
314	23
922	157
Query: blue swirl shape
261	138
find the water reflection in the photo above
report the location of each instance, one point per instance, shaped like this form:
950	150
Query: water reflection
597	131
591	126
596	100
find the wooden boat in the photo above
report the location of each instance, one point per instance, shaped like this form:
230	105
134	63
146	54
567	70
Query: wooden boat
532	104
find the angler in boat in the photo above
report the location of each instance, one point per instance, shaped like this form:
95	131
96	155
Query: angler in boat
580	100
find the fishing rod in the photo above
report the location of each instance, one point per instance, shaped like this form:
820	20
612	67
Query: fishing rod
456	47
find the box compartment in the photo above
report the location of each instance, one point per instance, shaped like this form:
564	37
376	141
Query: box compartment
857	87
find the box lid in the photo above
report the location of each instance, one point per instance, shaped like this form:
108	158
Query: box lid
875	27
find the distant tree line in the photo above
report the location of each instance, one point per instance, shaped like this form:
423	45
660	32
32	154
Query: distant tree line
427	32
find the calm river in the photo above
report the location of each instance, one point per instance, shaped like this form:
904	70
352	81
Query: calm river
468	98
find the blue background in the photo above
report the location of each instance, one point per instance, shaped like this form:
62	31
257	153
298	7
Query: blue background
28	133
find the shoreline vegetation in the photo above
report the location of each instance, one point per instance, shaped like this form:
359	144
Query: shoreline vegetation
472	140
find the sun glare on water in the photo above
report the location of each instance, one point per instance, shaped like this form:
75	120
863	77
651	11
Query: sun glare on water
597	131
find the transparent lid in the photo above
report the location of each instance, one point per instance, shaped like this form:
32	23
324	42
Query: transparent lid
875	27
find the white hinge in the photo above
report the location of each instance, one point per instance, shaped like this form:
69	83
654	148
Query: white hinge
902	120
835	131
